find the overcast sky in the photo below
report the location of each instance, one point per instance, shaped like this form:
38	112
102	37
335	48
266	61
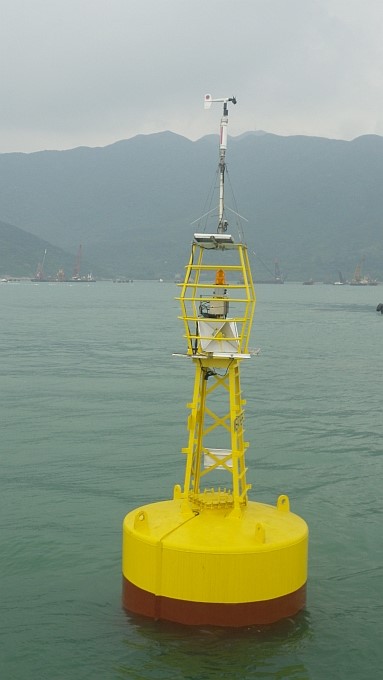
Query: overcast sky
91	72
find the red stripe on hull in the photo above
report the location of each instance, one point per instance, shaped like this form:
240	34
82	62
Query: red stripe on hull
139	601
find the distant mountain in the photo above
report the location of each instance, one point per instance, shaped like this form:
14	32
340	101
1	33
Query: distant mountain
314	204
21	253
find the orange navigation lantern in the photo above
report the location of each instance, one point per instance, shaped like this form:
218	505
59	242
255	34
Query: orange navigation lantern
220	278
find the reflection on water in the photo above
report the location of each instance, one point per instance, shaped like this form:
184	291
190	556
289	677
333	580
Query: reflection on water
204	653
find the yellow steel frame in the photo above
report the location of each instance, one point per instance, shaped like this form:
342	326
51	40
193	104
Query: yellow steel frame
217	407
195	289
203	421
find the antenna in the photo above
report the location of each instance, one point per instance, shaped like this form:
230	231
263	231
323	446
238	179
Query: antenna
222	223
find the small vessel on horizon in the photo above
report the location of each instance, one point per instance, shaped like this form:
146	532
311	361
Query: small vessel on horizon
341	281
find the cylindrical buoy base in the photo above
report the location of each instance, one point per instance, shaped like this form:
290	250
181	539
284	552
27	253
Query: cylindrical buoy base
214	567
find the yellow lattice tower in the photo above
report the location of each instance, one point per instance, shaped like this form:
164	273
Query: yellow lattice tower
217	303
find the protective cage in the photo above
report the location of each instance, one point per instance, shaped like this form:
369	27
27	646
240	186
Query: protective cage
217	302
217	297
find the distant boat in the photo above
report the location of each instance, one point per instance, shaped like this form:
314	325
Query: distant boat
341	281
89	278
310	282
365	281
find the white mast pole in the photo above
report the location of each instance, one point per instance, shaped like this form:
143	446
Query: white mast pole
222	224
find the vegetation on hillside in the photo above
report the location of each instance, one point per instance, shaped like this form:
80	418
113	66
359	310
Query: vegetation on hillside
313	204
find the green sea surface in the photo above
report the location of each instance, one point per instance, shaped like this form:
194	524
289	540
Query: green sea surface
93	421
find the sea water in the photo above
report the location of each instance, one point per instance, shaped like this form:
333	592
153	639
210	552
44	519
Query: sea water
93	421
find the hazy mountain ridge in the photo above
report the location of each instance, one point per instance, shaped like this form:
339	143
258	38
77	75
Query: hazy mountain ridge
22	252
313	203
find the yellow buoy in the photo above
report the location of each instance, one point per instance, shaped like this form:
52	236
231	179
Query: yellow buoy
210	568
210	556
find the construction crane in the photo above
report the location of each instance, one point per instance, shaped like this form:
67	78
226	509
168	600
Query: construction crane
39	276
77	265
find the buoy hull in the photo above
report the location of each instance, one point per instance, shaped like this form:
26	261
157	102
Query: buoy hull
138	601
214	568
